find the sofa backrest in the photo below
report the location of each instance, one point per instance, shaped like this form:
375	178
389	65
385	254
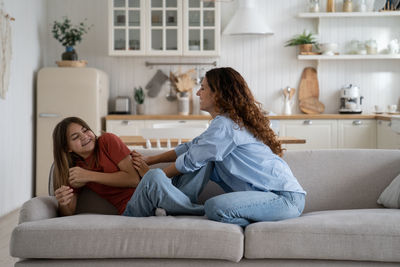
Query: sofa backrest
343	179
333	179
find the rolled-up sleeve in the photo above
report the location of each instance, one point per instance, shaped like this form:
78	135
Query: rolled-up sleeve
182	148
212	145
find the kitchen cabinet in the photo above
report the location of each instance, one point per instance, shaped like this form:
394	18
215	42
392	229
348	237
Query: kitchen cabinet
124	127
386	137
132	127
126	34
319	134
330	134
357	134
164	28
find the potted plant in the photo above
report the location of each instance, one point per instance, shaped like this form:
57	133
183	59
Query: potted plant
304	40
69	35
139	96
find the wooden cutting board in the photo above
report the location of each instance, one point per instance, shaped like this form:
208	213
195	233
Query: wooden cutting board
308	84
311	105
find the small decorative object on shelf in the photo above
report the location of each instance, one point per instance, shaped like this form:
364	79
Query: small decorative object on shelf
184	84
69	35
348	6
330	6
305	41
139	99
313	5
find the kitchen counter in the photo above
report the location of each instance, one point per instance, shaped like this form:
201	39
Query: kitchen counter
275	117
140	141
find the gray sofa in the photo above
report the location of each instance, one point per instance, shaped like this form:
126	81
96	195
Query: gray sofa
341	226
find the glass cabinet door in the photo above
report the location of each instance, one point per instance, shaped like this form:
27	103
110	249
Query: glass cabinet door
165	32
127	27
201	27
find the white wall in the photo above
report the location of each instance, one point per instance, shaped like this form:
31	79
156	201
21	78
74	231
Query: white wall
265	63
17	110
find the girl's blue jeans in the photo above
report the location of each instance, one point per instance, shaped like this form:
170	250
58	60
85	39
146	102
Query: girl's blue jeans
179	196
176	196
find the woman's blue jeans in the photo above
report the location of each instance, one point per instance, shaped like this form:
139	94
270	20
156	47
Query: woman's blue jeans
176	196
245	207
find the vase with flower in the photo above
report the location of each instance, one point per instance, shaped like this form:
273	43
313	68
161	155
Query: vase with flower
69	35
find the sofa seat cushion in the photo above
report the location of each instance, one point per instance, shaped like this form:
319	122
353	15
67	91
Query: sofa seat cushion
112	236
361	234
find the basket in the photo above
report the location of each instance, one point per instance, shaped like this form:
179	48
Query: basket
72	63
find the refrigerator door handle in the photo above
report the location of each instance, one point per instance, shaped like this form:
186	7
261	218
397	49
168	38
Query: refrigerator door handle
49	115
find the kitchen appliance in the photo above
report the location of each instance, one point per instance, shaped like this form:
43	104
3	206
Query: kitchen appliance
122	105
61	93
350	100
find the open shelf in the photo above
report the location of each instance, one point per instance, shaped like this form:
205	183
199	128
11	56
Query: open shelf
347	57
348	14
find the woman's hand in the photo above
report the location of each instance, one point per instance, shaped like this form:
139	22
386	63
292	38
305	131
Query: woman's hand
135	154
78	177
64	195
140	165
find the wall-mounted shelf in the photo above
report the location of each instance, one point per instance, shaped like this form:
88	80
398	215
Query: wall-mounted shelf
346	57
349	14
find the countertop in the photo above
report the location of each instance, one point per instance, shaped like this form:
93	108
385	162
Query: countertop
140	141
384	116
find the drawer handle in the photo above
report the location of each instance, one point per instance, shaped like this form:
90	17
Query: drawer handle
127	122
48	115
358	122
307	122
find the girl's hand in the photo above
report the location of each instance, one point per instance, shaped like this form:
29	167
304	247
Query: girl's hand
78	177
135	154
64	195
140	165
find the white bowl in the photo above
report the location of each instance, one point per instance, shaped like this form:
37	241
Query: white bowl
328	48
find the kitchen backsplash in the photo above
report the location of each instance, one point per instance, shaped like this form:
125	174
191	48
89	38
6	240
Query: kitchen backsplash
265	63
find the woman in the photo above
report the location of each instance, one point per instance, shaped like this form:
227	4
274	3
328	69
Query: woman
244	152
103	164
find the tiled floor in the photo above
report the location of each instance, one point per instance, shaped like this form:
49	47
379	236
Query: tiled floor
7	224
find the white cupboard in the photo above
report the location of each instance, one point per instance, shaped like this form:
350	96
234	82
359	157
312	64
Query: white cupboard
133	127
319	134
164	28
386	137
330	134
357	134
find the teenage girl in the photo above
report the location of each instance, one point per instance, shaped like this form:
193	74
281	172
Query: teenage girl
104	165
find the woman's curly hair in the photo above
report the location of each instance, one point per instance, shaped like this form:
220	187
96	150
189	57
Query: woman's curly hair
233	97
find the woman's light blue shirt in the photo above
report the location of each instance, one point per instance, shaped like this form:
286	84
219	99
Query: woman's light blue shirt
242	163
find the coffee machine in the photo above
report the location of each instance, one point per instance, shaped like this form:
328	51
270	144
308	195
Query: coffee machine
350	100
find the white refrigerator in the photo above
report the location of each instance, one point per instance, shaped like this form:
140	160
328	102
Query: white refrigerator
61	93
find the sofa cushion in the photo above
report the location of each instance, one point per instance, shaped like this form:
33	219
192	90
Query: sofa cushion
111	236
343	178
364	234
390	197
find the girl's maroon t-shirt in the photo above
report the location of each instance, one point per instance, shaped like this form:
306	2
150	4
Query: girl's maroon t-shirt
111	151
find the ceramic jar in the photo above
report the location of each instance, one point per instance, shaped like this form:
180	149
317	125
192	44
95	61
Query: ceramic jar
372	47
348	6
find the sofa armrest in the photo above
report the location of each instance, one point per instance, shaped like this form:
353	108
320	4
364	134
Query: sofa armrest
38	208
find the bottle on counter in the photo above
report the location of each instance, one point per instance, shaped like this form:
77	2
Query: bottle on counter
348	6
330	6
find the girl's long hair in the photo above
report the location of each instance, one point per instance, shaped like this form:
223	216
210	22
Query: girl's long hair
233	97
63	159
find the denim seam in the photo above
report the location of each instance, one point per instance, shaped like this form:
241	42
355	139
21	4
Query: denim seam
294	204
